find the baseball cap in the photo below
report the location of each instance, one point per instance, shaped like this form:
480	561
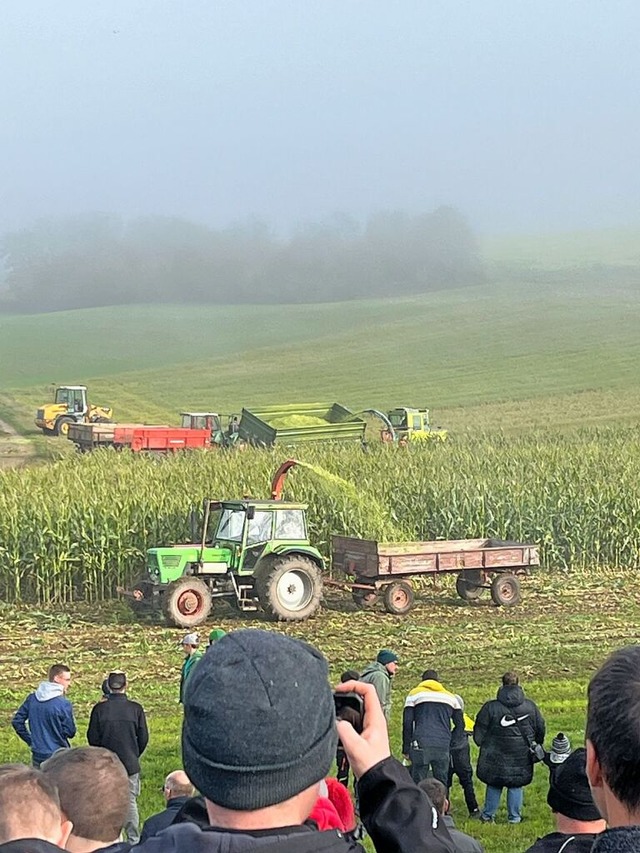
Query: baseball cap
190	640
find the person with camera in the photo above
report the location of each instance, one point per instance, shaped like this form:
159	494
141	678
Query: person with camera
259	758
510	732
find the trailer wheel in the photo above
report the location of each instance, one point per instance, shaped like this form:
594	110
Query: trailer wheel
398	598
505	590
62	426
290	588
364	598
186	602
469	584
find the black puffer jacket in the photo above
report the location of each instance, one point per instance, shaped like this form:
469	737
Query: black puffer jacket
505	759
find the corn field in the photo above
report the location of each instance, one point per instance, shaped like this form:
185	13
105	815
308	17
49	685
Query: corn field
78	528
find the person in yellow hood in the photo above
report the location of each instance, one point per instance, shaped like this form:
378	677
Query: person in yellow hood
429	711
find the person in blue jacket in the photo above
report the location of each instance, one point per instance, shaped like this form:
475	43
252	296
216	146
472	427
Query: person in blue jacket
45	720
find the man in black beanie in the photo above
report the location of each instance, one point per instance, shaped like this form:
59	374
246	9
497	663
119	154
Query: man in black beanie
258	756
578	820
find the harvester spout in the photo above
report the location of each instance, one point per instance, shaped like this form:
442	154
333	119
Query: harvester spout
277	484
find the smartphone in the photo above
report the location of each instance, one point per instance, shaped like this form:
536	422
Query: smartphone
348	700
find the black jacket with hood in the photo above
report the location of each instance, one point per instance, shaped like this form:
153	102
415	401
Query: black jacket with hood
397	814
502	729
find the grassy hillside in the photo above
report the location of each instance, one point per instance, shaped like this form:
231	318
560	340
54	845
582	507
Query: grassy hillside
475	355
576	250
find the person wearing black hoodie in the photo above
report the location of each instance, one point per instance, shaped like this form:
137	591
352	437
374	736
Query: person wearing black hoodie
507	729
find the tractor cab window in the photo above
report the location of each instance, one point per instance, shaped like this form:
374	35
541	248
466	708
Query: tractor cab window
417	422
231	525
290	524
72	398
398	420
259	527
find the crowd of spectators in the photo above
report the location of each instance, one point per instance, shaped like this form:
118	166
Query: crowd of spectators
257	767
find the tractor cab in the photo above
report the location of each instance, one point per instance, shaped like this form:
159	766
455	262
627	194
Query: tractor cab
201	420
220	435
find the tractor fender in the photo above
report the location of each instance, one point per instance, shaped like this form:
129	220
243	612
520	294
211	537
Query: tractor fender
285	551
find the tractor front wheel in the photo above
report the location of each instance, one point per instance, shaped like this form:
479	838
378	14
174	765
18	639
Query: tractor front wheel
62	426
187	602
290	588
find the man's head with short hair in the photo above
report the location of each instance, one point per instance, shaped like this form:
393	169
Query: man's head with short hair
613	737
510	679
430	675
178	784
60	674
30	807
117	681
350	675
93	787
258	757
437	793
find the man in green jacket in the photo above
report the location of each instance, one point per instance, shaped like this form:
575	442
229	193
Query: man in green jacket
192	655
379	673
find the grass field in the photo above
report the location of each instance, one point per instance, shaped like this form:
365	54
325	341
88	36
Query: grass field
500	356
563	629
547	347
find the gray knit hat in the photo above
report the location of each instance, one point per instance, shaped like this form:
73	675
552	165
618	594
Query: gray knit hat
560	748
259	720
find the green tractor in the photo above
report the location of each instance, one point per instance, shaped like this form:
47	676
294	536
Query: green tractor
254	553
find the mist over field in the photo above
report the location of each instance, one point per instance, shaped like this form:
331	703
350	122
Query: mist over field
278	151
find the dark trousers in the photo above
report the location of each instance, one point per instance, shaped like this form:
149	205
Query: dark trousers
461	765
430	761
343	765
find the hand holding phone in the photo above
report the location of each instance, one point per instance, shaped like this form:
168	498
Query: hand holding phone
371	747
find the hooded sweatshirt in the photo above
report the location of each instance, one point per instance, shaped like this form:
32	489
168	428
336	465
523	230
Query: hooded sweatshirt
503	730
378	675
429	711
45	721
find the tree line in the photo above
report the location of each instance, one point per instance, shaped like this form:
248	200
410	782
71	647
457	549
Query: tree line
102	259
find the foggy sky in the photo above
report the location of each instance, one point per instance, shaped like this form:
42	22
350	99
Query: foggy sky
522	113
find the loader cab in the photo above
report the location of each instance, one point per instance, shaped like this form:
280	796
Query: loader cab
73	397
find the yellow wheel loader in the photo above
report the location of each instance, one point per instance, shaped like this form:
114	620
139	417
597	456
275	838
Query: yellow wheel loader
70	406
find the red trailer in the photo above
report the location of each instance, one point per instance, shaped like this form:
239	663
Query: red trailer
386	569
138	437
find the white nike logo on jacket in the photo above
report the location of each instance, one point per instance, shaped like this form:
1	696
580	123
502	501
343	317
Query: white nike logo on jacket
511	721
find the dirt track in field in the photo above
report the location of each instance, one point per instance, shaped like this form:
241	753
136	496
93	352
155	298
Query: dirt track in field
15	450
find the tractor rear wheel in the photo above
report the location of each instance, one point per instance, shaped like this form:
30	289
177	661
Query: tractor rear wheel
62	426
290	588
186	602
398	598
505	590
469	584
